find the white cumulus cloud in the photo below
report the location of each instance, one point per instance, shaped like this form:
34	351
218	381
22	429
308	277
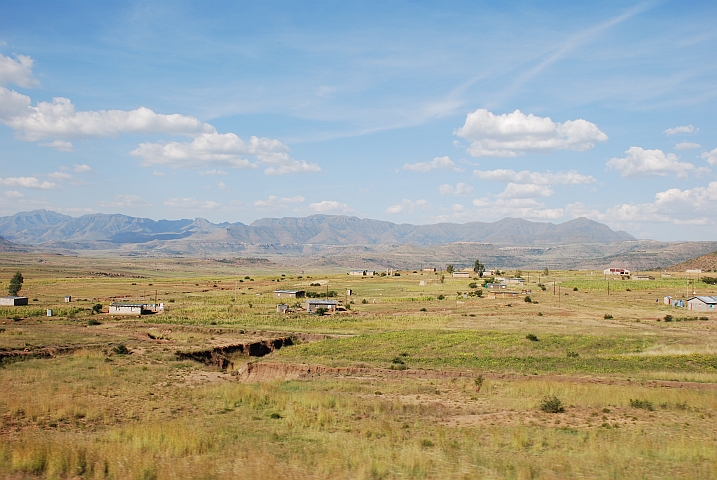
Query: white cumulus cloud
191	204
225	149
408	206
711	157
461	189
275	202
687	146
514	134
650	163
28	182
82	168
17	71
535	178
59	120
523	190
438	163
13	194
681	129
330	206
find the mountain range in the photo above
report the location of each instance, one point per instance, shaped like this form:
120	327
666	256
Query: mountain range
97	231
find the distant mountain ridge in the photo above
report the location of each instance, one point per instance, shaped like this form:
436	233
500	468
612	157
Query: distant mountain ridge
46	227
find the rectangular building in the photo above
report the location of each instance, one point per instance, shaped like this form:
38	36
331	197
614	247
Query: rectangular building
702	304
461	274
129	308
289	293
313	305
362	273
13	301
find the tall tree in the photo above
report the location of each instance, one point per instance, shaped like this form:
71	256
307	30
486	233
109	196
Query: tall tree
15	284
449	268
479	268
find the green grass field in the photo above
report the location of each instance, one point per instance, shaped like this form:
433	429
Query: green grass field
402	384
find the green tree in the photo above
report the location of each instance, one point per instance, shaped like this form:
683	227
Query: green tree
15	284
479	268
449	268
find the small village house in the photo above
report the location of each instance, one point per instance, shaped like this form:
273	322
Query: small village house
13	301
616	271
702	304
289	293
461	274
117	308
68	298
312	305
362	273
282	308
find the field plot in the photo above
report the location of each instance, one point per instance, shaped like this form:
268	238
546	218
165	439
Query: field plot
415	377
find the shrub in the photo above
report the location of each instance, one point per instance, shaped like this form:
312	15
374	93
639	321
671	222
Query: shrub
528	299
644	404
321	311
575	289
121	349
479	382
364	301
572	354
441	297
542	287
607	316
540	314
532	337
552	404
473	285
424	309
275	416
314	284
15	284
97	308
668	318
91	322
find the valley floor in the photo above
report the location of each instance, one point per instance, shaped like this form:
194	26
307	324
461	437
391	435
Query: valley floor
411	381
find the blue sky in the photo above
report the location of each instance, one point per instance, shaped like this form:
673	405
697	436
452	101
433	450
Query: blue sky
412	112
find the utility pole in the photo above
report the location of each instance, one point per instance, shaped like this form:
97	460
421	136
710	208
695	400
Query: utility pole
235	290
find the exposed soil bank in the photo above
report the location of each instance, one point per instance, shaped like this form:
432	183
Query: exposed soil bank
221	356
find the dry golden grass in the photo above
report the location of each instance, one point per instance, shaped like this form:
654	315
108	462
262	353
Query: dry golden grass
89	412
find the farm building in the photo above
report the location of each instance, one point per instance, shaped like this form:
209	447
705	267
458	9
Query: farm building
702	303
461	274
289	293
362	273
431	269
129	308
496	286
313	305
643	277
616	271
13	301
282	308
513	281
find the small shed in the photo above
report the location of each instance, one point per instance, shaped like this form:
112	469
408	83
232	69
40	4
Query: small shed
667	300
496	286
312	305
289	293
702	303
128	308
68	298
282	308
362	273
431	269
13	301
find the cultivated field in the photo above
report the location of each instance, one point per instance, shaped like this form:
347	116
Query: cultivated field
411	381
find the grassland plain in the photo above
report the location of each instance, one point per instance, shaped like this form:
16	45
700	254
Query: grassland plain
422	387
